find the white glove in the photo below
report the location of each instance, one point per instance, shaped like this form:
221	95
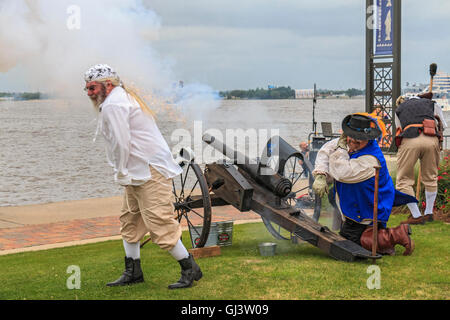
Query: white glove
342	143
320	185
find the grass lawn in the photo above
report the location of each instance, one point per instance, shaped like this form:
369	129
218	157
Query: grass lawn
240	273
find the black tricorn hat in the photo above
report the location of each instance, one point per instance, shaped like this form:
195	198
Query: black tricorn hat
360	127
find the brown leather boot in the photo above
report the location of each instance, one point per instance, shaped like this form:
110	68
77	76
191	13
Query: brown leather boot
428	218
388	238
384	245
412	220
401	235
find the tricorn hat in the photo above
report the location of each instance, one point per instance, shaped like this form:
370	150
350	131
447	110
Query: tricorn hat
360	127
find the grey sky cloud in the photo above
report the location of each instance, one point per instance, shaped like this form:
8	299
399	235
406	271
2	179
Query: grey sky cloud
252	43
310	17
262	43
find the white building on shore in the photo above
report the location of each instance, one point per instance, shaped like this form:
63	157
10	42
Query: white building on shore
304	94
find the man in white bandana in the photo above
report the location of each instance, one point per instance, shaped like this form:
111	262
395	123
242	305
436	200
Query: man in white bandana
143	164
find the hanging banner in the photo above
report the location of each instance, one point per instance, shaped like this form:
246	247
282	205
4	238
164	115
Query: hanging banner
385	27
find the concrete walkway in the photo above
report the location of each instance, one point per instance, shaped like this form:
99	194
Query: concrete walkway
54	225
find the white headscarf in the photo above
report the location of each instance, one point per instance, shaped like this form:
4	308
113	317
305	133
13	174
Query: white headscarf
101	72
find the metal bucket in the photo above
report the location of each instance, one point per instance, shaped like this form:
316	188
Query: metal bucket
267	249
212	237
224	233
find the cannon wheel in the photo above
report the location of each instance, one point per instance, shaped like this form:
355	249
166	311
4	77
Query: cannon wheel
275	230
188	202
293	171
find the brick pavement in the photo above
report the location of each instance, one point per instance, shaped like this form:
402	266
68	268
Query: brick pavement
90	228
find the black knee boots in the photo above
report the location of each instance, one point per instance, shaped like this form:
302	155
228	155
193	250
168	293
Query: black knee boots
132	274
190	271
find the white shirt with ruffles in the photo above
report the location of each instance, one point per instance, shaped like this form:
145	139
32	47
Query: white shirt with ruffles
133	141
335	163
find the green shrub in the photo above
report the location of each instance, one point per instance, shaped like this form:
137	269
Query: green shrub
443	196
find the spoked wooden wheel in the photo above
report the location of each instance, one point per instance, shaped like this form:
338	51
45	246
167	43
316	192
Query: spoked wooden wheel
302	195
275	230
193	203
301	179
295	171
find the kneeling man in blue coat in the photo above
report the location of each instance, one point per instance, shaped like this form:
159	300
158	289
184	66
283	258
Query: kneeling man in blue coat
350	161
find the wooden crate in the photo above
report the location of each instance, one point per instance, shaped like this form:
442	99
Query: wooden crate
205	252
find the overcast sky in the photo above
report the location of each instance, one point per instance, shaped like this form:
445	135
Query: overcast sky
253	43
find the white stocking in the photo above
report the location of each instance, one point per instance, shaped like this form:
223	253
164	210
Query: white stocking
132	250
431	197
415	212
179	252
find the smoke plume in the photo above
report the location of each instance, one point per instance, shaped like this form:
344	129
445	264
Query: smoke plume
53	43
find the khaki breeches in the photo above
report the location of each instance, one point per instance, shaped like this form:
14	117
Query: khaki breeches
149	208
425	148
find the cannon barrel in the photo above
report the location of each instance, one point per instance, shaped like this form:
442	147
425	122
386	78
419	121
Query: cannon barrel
278	184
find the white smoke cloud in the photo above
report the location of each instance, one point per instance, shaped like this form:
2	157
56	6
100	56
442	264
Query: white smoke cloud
17	36
55	42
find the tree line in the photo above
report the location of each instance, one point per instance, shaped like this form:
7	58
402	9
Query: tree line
22	95
353	92
283	93
260	93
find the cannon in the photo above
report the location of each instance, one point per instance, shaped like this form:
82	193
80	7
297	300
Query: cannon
253	185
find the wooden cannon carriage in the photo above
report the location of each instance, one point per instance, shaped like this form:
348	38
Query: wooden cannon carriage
256	186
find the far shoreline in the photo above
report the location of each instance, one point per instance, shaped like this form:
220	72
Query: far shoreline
225	99
306	99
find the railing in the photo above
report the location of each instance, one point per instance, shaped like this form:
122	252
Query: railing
446	142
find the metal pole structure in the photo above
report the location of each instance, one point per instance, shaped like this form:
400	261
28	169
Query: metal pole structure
397	63
314	129
369	55
383	62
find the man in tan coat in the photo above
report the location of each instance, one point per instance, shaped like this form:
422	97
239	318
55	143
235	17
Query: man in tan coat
418	143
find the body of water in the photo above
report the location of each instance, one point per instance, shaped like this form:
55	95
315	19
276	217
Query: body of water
48	155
